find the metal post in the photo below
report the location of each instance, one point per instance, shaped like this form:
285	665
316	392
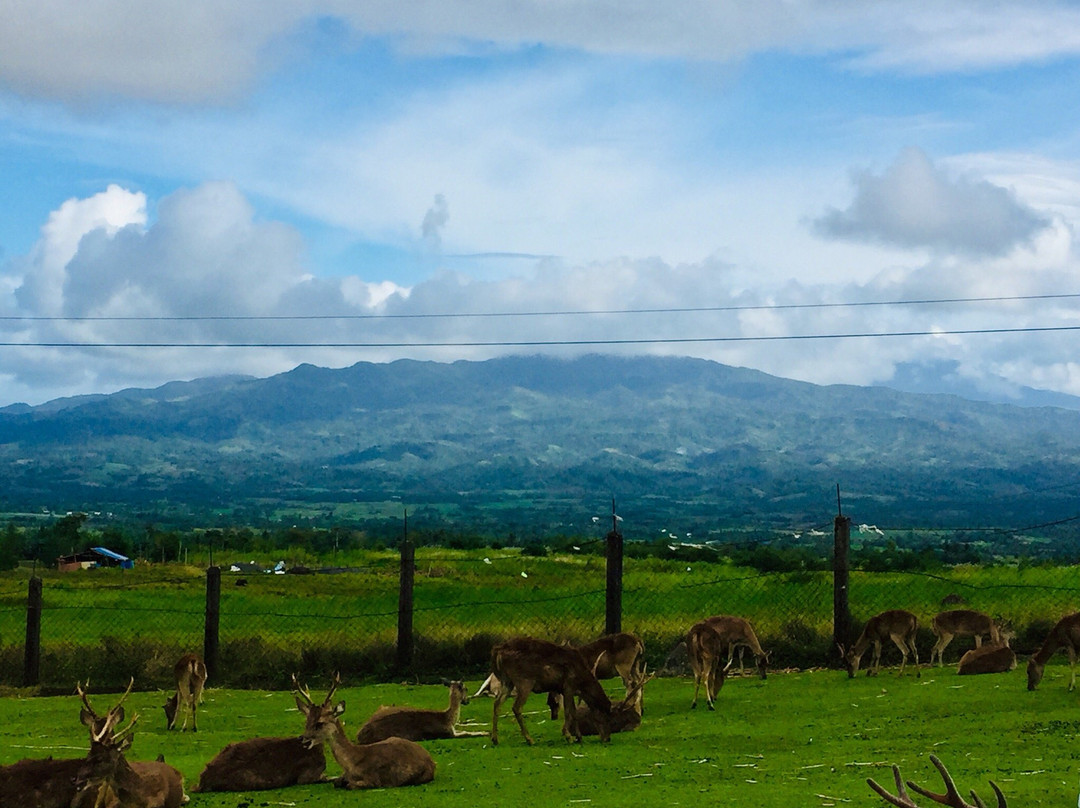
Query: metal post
405	602
613	600
841	545
213	616
32	659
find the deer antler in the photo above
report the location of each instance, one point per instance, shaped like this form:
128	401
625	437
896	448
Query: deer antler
951	797
333	688
596	664
85	699
301	691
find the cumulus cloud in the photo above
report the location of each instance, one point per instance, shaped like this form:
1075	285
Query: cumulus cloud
208	272
915	204
200	50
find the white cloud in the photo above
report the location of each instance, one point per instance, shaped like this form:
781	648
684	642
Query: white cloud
916	205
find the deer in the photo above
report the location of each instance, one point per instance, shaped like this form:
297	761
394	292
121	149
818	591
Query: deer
190	673
704	647
418	725
525	665
1065	634
961	623
989	658
897	625
625	715
388	763
609	656
106	778
259	764
951	797
737	632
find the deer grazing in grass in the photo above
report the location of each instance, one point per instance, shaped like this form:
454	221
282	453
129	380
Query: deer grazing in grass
738	633
625	714
259	764
961	623
1066	634
704	648
418	725
612	655
524	665
951	797
385	764
190	673
108	780
897	625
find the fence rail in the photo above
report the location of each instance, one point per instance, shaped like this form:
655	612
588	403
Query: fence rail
438	612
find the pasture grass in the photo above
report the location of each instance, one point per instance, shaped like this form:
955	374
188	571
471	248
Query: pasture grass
800	739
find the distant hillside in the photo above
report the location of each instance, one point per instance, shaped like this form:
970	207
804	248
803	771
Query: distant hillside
535	438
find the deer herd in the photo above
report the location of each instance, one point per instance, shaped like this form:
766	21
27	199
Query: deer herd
387	750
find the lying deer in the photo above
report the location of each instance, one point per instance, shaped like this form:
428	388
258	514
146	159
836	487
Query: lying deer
190	673
704	647
897	625
996	658
951	796
418	725
625	715
1066	634
386	764
738	633
258	764
961	623
40	783
524	665
108	780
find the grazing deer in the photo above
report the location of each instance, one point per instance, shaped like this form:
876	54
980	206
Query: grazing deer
1066	634
704	647
738	633
524	665
418	725
625	715
386	764
897	625
961	623
108	780
989	658
612	655
190	672
951	797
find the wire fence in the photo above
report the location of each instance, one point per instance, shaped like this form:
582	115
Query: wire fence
258	628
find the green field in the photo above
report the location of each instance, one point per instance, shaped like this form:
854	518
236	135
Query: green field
796	739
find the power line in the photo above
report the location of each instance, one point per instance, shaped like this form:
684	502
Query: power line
545	313
549	343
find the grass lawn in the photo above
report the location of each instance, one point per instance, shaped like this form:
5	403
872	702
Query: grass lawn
798	739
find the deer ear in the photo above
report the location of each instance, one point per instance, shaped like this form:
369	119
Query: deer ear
339	708
301	705
87	717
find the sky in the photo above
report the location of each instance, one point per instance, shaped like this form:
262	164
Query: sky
837	192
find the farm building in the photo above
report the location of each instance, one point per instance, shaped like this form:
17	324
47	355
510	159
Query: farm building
94	557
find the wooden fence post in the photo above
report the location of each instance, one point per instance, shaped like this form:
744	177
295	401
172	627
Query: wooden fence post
613	600
210	627
841	545
32	658
405	603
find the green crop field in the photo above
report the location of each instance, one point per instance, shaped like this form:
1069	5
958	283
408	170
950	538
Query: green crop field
796	739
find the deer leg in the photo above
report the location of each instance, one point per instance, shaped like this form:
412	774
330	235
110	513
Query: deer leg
939	648
570	729
500	697
978	640
1072	666
875	662
523	690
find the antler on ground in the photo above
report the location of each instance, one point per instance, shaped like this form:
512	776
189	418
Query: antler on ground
951	797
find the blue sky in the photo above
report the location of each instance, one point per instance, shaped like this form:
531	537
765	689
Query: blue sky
258	159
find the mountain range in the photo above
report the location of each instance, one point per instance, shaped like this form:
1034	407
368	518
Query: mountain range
546	442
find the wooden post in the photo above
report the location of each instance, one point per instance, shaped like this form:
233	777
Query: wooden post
841	545
405	602
613	600
213	616
32	658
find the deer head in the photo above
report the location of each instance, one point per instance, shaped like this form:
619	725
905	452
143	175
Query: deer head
322	719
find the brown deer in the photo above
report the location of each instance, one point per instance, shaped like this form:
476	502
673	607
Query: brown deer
259	764
951	797
989	658
190	673
738	633
704	647
524	665
418	725
897	625
961	623
1066	634
625	715
108	780
386	764
612	655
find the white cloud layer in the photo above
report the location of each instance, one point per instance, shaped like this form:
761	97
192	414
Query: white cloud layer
206	256
197	50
